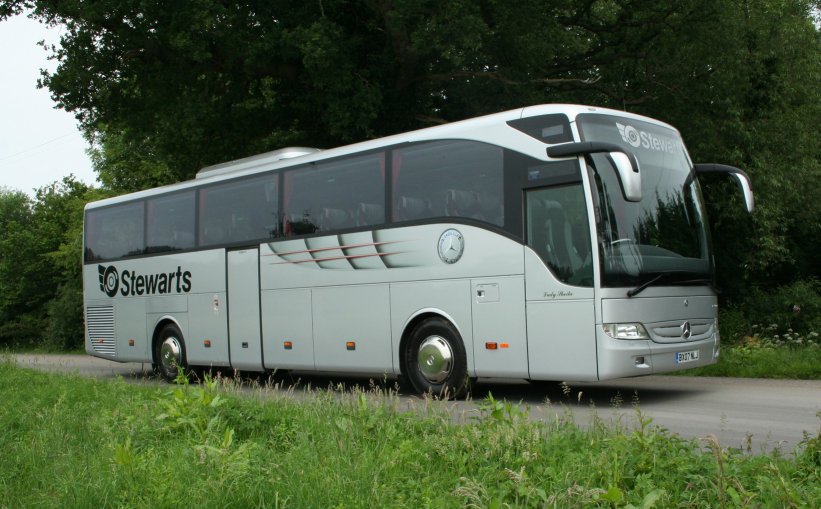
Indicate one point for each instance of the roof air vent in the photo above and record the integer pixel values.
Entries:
(255, 161)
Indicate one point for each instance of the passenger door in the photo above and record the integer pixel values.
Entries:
(559, 293)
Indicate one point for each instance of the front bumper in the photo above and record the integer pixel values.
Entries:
(625, 358)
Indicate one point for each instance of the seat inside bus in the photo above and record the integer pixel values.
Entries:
(552, 237)
(409, 208)
(369, 213)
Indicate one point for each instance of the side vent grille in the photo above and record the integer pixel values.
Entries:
(100, 322)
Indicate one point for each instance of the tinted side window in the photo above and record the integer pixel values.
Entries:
(239, 211)
(115, 232)
(171, 222)
(449, 178)
(335, 196)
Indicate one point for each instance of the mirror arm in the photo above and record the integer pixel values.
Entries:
(624, 162)
(582, 147)
(589, 147)
(741, 177)
(718, 168)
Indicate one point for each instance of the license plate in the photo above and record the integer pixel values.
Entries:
(685, 357)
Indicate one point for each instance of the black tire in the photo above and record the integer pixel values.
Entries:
(169, 354)
(435, 361)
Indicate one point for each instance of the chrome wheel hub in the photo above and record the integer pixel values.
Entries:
(170, 354)
(435, 359)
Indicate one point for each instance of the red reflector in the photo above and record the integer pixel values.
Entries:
(491, 345)
(288, 345)
(207, 343)
(350, 345)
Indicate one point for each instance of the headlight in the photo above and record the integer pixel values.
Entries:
(625, 330)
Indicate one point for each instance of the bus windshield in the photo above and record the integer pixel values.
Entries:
(663, 238)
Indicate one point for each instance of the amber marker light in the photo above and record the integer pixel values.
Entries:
(350, 345)
(491, 345)
(207, 343)
(288, 345)
(130, 342)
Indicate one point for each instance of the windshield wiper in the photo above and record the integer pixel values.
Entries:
(637, 290)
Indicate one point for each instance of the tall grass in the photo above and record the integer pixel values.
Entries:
(766, 353)
(73, 442)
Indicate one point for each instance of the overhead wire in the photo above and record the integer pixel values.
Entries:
(4, 158)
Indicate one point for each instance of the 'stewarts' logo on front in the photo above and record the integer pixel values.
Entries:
(648, 140)
(629, 134)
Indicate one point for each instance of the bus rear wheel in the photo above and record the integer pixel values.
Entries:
(170, 353)
(435, 359)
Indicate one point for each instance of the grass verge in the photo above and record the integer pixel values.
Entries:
(803, 363)
(73, 442)
(767, 352)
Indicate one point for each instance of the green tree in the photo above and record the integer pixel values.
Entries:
(22, 269)
(163, 89)
(191, 84)
(40, 283)
(125, 163)
(756, 107)
(58, 211)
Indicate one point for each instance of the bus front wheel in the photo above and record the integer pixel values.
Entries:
(435, 359)
(170, 353)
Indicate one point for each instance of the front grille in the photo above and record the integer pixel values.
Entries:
(100, 323)
(673, 331)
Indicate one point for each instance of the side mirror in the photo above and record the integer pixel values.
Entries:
(742, 179)
(625, 163)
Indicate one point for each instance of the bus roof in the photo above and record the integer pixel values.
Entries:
(476, 129)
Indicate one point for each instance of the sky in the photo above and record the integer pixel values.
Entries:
(38, 143)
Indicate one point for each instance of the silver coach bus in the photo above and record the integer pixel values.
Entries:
(553, 242)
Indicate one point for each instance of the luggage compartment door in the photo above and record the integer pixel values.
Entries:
(244, 335)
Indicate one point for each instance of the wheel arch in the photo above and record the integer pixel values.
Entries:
(419, 317)
(155, 336)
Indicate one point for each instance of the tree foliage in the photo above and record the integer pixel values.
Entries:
(40, 283)
(197, 83)
(163, 89)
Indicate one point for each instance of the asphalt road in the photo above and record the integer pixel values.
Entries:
(751, 414)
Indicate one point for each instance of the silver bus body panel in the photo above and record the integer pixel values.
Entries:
(317, 300)
(663, 311)
(148, 290)
(385, 256)
(288, 332)
(352, 314)
(620, 358)
(498, 306)
(447, 298)
(243, 310)
(208, 321)
(560, 322)
(354, 282)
